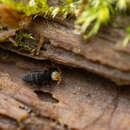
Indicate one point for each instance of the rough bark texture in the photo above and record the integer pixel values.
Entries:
(102, 54)
(79, 102)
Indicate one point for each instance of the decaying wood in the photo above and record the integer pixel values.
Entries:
(11, 108)
(98, 49)
(10, 88)
(62, 56)
(82, 102)
(4, 35)
(102, 54)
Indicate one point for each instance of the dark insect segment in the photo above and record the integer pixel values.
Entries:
(38, 78)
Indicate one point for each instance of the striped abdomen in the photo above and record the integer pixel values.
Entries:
(36, 77)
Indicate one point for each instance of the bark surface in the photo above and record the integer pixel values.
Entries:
(102, 54)
(79, 102)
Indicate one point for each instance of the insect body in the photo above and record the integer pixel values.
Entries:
(36, 77)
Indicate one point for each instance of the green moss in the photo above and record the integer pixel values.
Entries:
(100, 12)
(96, 12)
(127, 38)
(28, 7)
(34, 7)
(23, 39)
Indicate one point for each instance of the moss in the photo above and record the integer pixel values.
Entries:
(34, 7)
(23, 39)
(96, 12)
(5, 56)
(127, 38)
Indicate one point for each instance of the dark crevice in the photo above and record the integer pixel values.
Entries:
(26, 108)
(65, 126)
(7, 120)
(46, 42)
(58, 125)
(116, 102)
(45, 96)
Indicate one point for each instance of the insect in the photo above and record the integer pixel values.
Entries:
(38, 78)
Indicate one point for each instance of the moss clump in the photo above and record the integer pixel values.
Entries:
(97, 12)
(34, 7)
(23, 39)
